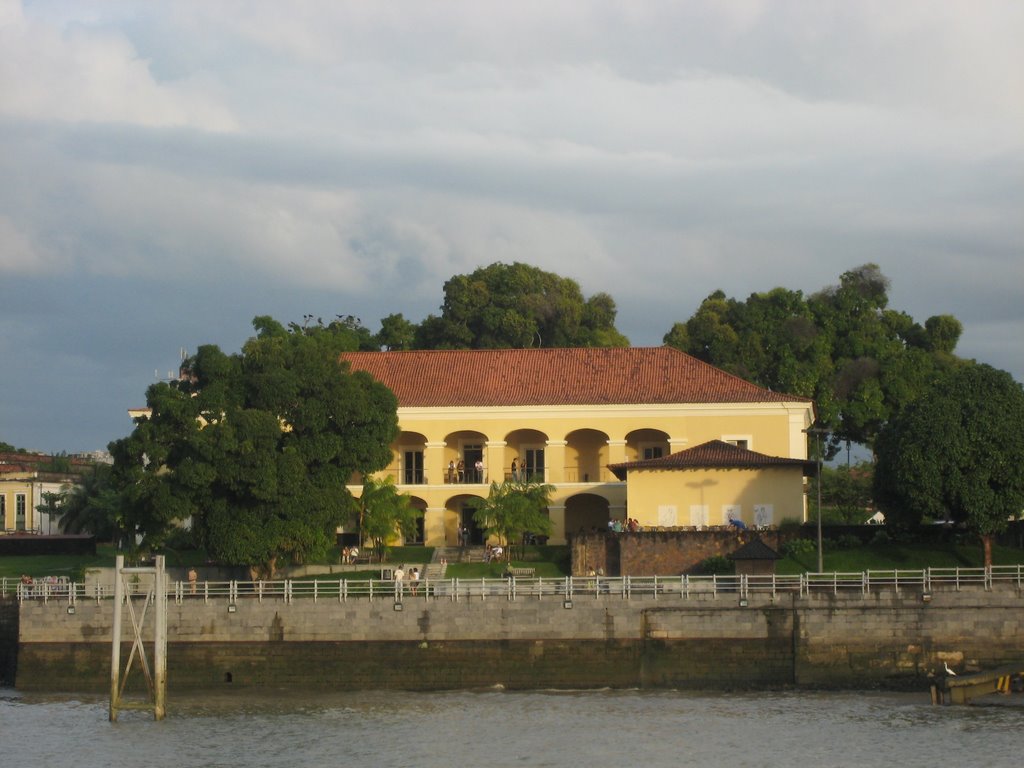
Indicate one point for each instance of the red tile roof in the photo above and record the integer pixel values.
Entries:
(714, 454)
(576, 376)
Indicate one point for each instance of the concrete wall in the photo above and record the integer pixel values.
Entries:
(704, 641)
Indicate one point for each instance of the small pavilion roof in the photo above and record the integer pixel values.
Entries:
(755, 549)
(714, 454)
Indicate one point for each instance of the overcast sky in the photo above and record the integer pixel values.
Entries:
(170, 170)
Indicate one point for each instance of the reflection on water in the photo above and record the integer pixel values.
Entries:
(499, 728)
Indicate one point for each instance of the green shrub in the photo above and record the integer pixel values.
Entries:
(796, 547)
(881, 538)
(847, 541)
(716, 565)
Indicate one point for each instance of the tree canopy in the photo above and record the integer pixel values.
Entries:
(93, 505)
(518, 305)
(383, 513)
(514, 508)
(256, 448)
(860, 361)
(955, 454)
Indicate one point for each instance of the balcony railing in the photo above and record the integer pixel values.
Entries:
(571, 475)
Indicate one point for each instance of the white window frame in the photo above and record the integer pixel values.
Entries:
(736, 439)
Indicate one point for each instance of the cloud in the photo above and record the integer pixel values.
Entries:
(85, 73)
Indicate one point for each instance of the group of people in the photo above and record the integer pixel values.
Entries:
(621, 526)
(493, 554)
(349, 555)
(457, 472)
(414, 579)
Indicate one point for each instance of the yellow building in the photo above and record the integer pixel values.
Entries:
(17, 502)
(565, 416)
(713, 484)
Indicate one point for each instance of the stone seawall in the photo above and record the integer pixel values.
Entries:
(853, 641)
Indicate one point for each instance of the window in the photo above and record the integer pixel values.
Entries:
(740, 441)
(19, 512)
(699, 515)
(412, 467)
(653, 452)
(533, 465)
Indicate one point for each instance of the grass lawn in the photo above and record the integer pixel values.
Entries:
(72, 566)
(497, 570)
(553, 561)
(908, 556)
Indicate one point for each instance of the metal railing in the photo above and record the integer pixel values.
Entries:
(625, 587)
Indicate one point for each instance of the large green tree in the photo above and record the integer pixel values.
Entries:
(518, 305)
(860, 361)
(513, 509)
(256, 448)
(955, 454)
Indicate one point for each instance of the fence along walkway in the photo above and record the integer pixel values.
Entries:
(567, 588)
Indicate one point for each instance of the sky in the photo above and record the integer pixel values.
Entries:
(172, 169)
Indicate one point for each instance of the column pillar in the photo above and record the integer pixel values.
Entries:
(494, 462)
(435, 533)
(616, 451)
(433, 465)
(556, 513)
(676, 444)
(554, 461)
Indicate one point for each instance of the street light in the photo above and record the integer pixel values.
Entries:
(818, 432)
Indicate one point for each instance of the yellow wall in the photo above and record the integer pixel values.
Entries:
(10, 489)
(578, 443)
(659, 497)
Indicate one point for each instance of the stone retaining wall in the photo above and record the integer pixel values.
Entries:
(705, 641)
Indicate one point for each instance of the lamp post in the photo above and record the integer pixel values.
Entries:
(818, 432)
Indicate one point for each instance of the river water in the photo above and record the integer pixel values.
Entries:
(591, 729)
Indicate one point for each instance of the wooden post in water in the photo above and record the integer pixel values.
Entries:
(157, 680)
(115, 646)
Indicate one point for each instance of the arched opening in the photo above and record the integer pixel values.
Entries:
(464, 458)
(524, 452)
(586, 456)
(642, 444)
(586, 513)
(460, 525)
(407, 464)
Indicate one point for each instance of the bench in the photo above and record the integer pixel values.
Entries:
(522, 573)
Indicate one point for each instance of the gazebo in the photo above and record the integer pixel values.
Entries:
(755, 558)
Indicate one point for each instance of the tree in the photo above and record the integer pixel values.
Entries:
(396, 333)
(95, 506)
(513, 509)
(955, 454)
(860, 361)
(847, 490)
(383, 513)
(256, 448)
(518, 306)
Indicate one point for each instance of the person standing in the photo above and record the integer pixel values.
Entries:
(461, 469)
(399, 577)
(515, 471)
(479, 469)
